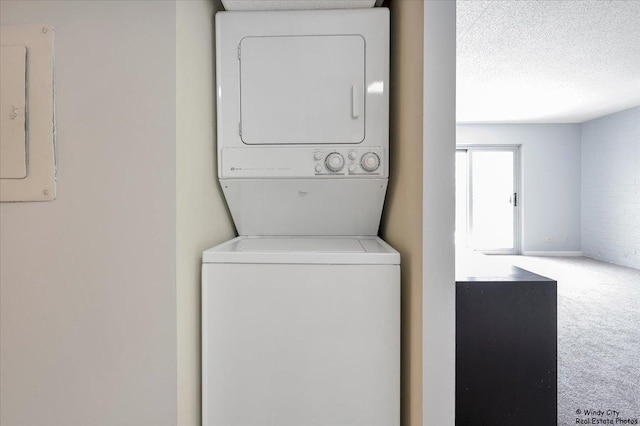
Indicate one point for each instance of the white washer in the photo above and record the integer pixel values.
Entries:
(301, 331)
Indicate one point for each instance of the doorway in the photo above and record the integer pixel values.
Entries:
(488, 199)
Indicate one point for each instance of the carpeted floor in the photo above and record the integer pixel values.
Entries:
(598, 335)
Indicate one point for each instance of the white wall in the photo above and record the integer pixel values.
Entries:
(611, 188)
(550, 168)
(438, 211)
(202, 218)
(87, 282)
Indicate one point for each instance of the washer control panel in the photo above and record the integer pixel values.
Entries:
(284, 162)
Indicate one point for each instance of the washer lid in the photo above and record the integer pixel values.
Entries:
(311, 250)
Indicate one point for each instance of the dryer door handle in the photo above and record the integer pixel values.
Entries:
(355, 102)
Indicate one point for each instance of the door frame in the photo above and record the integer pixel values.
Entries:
(517, 213)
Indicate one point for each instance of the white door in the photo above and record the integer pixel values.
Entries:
(302, 90)
(488, 199)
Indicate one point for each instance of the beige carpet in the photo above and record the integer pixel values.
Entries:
(598, 336)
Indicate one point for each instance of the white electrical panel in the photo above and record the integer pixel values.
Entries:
(27, 145)
(13, 146)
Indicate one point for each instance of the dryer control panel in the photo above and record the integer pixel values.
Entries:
(331, 162)
(352, 162)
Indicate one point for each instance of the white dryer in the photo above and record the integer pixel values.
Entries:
(303, 120)
(301, 331)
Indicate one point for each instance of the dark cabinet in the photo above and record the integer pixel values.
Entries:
(506, 349)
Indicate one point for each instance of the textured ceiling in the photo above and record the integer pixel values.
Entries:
(557, 61)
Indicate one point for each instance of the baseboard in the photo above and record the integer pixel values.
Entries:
(552, 253)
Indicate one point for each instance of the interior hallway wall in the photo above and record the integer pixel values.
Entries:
(551, 174)
(202, 218)
(611, 188)
(87, 282)
(402, 219)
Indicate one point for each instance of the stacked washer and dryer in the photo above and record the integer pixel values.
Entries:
(301, 312)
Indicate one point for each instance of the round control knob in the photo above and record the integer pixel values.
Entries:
(317, 156)
(334, 162)
(370, 161)
(352, 155)
(318, 168)
(353, 168)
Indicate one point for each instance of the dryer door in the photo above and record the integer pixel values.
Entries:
(302, 89)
